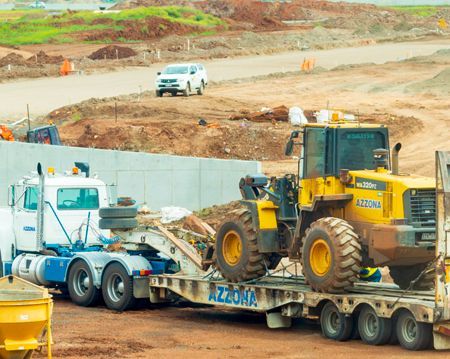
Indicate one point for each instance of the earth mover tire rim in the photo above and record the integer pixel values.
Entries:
(232, 248)
(320, 257)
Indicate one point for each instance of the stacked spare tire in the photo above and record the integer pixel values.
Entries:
(119, 218)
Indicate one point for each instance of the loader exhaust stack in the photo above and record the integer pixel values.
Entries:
(395, 151)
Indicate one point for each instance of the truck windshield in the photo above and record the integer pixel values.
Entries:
(77, 198)
(175, 70)
(355, 148)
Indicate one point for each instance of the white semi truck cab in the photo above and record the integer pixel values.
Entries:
(50, 236)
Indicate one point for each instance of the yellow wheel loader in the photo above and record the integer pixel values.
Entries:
(349, 207)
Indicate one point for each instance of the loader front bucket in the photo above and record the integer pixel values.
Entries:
(25, 315)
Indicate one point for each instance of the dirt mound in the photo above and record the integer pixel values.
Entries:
(112, 52)
(399, 126)
(140, 30)
(12, 59)
(42, 58)
(276, 114)
(438, 84)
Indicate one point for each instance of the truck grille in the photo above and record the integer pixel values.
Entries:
(422, 207)
(168, 81)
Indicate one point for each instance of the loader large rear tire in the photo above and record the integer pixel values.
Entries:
(330, 255)
(404, 275)
(236, 254)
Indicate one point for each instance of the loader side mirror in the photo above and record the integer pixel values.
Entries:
(289, 148)
(11, 196)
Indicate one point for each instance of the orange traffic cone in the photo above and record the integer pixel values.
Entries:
(65, 68)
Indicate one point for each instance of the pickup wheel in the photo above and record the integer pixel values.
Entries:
(158, 93)
(117, 288)
(81, 286)
(187, 90)
(201, 89)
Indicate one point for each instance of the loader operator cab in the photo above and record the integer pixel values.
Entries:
(327, 150)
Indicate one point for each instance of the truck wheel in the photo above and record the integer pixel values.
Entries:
(404, 275)
(158, 93)
(373, 329)
(117, 288)
(117, 212)
(187, 90)
(81, 286)
(334, 324)
(117, 223)
(201, 89)
(331, 255)
(411, 334)
(236, 253)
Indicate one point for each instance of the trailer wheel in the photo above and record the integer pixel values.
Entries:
(330, 255)
(334, 324)
(236, 254)
(118, 212)
(117, 223)
(373, 329)
(411, 334)
(117, 288)
(81, 286)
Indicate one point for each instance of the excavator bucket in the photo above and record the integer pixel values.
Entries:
(25, 318)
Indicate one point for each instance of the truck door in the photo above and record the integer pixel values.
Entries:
(25, 220)
(194, 77)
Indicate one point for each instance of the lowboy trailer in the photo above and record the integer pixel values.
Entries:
(377, 313)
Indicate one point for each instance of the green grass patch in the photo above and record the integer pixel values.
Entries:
(38, 27)
(419, 11)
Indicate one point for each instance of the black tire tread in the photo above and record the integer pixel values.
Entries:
(129, 301)
(117, 223)
(347, 254)
(118, 212)
(255, 267)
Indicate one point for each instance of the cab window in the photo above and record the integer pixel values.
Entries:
(77, 198)
(356, 148)
(31, 199)
(315, 147)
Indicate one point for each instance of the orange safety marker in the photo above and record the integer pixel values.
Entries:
(65, 68)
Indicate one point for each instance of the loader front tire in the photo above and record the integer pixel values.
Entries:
(236, 254)
(330, 255)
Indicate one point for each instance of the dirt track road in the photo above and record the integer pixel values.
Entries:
(44, 95)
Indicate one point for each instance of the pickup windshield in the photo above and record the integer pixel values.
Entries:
(175, 70)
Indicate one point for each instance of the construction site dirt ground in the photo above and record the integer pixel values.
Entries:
(183, 331)
(411, 97)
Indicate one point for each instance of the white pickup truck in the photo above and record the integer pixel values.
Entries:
(184, 78)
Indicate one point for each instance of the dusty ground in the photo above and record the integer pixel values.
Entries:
(410, 97)
(184, 331)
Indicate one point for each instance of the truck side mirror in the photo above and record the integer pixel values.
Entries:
(289, 148)
(11, 196)
(158, 73)
(193, 72)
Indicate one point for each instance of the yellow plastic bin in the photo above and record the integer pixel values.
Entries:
(25, 318)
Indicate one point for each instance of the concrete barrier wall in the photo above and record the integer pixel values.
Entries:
(157, 180)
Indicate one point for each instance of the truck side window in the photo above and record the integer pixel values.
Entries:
(77, 198)
(31, 199)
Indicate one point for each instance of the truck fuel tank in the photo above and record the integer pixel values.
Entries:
(30, 267)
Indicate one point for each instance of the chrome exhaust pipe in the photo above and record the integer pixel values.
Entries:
(395, 151)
